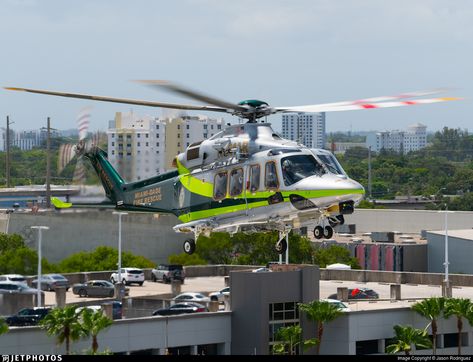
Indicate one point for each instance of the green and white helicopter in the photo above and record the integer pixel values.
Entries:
(245, 178)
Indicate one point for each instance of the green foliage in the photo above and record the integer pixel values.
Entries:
(64, 324)
(460, 308)
(407, 336)
(3, 326)
(335, 254)
(432, 309)
(93, 322)
(290, 338)
(186, 259)
(246, 249)
(320, 312)
(102, 258)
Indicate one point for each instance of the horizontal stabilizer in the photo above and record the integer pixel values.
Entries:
(59, 204)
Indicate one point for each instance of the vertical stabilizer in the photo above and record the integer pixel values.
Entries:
(111, 180)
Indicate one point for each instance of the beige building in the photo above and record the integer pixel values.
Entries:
(140, 147)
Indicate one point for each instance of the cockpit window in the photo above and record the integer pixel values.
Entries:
(331, 162)
(271, 176)
(296, 168)
(220, 185)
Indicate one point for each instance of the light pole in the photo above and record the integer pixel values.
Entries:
(447, 283)
(38, 285)
(120, 214)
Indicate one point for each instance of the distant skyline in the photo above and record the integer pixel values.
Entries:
(283, 52)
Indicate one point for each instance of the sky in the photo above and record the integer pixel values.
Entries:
(287, 53)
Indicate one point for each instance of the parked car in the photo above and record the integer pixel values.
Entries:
(261, 270)
(94, 288)
(168, 272)
(181, 308)
(13, 278)
(117, 311)
(220, 295)
(93, 308)
(339, 304)
(17, 287)
(51, 281)
(27, 316)
(129, 275)
(191, 297)
(358, 293)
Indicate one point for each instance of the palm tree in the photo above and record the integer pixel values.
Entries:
(3, 326)
(432, 309)
(64, 324)
(93, 322)
(406, 336)
(291, 336)
(320, 312)
(461, 308)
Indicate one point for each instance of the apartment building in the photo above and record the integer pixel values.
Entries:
(305, 128)
(413, 139)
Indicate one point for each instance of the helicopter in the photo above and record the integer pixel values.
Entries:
(246, 178)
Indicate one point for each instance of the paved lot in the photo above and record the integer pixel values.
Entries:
(409, 293)
(201, 284)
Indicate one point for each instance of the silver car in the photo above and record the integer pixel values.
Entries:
(51, 282)
(16, 287)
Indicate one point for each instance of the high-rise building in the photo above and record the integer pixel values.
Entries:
(305, 128)
(142, 147)
(26, 140)
(413, 139)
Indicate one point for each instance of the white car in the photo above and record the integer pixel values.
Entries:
(128, 276)
(338, 303)
(220, 295)
(190, 297)
(13, 278)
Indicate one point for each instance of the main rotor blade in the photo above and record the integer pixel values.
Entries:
(330, 107)
(191, 94)
(121, 100)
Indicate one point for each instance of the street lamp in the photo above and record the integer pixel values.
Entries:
(446, 281)
(38, 285)
(120, 214)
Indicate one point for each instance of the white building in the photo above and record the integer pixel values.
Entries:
(305, 128)
(140, 147)
(413, 139)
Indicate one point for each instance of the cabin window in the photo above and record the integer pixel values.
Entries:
(220, 185)
(236, 182)
(271, 176)
(254, 178)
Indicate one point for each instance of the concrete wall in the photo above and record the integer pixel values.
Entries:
(150, 235)
(251, 295)
(407, 221)
(131, 335)
(341, 335)
(460, 252)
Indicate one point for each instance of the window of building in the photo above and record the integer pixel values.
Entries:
(367, 347)
(187, 126)
(254, 178)
(113, 135)
(113, 152)
(220, 185)
(157, 135)
(157, 144)
(205, 135)
(219, 126)
(178, 126)
(128, 136)
(113, 144)
(187, 135)
(236, 182)
(271, 176)
(178, 135)
(178, 144)
(138, 144)
(157, 126)
(281, 315)
(211, 126)
(138, 135)
(451, 340)
(147, 144)
(205, 126)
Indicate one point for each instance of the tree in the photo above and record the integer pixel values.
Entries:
(406, 336)
(291, 337)
(432, 309)
(335, 254)
(3, 326)
(64, 324)
(320, 312)
(460, 308)
(93, 322)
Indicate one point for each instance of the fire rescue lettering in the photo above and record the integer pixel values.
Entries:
(147, 196)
